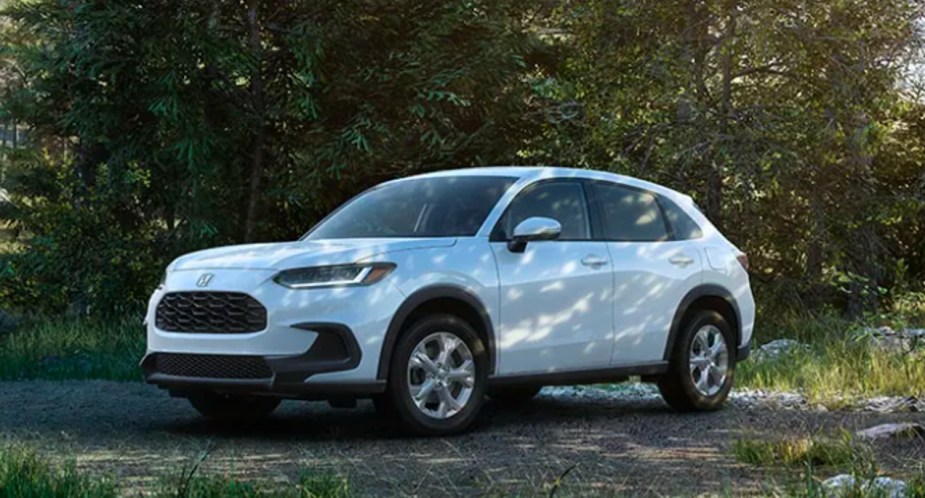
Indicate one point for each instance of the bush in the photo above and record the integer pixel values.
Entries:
(73, 349)
(93, 255)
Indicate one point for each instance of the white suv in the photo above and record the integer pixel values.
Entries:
(427, 293)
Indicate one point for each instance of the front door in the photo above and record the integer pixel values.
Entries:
(556, 311)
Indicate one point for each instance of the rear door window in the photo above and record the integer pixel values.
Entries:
(629, 215)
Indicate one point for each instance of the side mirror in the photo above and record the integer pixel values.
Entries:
(533, 229)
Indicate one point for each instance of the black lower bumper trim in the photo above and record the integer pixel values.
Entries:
(334, 350)
(309, 390)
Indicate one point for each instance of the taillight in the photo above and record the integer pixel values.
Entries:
(743, 260)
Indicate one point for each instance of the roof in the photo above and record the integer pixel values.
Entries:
(539, 172)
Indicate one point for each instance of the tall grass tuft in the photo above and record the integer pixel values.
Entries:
(809, 452)
(836, 366)
(23, 474)
(188, 483)
(72, 349)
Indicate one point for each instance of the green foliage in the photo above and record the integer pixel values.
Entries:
(782, 119)
(161, 127)
(189, 484)
(23, 474)
(156, 127)
(841, 452)
(836, 368)
(71, 349)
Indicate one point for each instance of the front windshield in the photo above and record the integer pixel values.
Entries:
(442, 206)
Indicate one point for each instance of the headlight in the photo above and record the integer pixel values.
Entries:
(334, 276)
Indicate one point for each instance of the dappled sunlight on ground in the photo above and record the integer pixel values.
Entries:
(611, 444)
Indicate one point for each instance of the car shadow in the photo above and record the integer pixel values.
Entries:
(317, 421)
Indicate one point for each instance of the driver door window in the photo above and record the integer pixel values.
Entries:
(561, 201)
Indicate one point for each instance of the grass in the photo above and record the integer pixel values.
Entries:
(835, 367)
(73, 350)
(817, 451)
(25, 474)
(831, 455)
(833, 371)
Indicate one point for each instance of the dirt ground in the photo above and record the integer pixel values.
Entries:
(136, 433)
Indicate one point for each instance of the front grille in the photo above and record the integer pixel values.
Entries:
(213, 366)
(210, 313)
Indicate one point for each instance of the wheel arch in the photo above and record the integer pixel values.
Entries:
(452, 299)
(705, 297)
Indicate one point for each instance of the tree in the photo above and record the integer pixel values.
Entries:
(773, 114)
(189, 124)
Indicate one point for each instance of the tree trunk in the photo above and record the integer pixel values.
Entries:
(715, 172)
(15, 134)
(257, 101)
(814, 249)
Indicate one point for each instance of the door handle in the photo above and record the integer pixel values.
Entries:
(681, 261)
(593, 261)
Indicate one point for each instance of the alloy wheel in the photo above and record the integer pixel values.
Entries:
(441, 375)
(709, 360)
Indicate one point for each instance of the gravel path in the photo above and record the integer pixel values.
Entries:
(613, 443)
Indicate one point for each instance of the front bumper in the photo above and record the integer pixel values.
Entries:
(335, 349)
(299, 324)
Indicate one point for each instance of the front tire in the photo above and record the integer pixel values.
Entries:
(438, 375)
(232, 409)
(702, 365)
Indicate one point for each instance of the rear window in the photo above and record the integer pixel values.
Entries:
(683, 226)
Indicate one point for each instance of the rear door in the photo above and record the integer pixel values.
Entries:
(652, 270)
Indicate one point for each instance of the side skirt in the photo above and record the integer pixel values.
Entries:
(615, 374)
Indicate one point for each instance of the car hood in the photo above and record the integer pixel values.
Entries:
(286, 255)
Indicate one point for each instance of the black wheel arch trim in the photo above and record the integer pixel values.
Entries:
(418, 298)
(705, 290)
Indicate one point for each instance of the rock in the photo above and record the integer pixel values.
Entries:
(840, 485)
(754, 398)
(889, 431)
(893, 404)
(844, 485)
(886, 487)
(779, 347)
(903, 340)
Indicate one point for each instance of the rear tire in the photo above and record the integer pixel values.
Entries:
(226, 408)
(513, 396)
(437, 376)
(702, 366)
